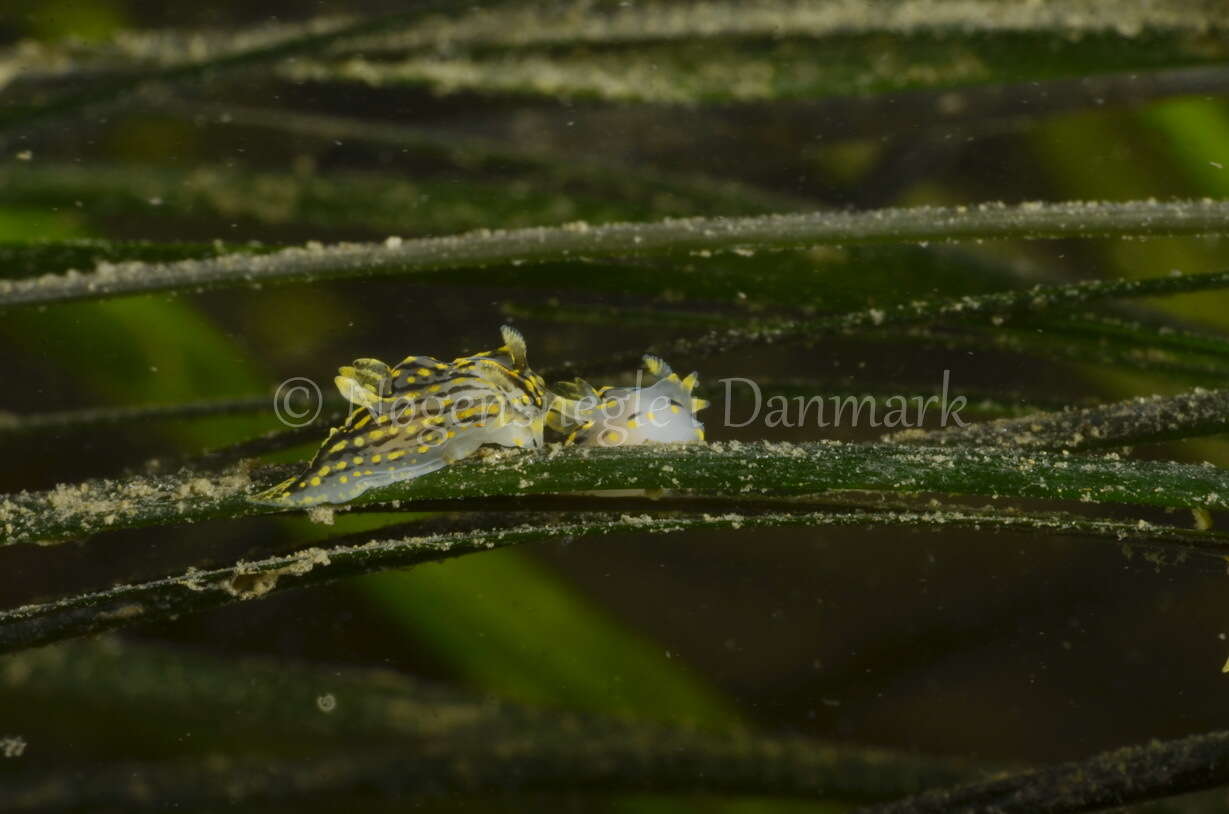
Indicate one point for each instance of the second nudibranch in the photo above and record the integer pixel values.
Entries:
(418, 417)
(662, 413)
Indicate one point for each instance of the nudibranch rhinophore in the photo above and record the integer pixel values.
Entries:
(662, 413)
(418, 417)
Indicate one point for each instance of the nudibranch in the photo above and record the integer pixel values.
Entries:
(662, 413)
(418, 417)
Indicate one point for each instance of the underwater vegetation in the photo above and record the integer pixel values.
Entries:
(936, 526)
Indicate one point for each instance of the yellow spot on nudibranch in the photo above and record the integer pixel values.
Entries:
(339, 446)
(344, 479)
(392, 456)
(357, 460)
(375, 435)
(424, 449)
(324, 470)
(375, 459)
(315, 481)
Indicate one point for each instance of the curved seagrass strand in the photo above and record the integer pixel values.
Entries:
(369, 202)
(1178, 367)
(528, 25)
(1133, 421)
(1187, 355)
(110, 90)
(1109, 780)
(1128, 333)
(30, 258)
(882, 46)
(197, 589)
(383, 709)
(558, 760)
(475, 154)
(1037, 299)
(734, 469)
(578, 242)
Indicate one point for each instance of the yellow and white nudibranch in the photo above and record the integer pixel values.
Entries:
(662, 413)
(418, 417)
(424, 414)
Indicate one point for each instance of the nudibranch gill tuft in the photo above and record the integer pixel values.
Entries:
(662, 413)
